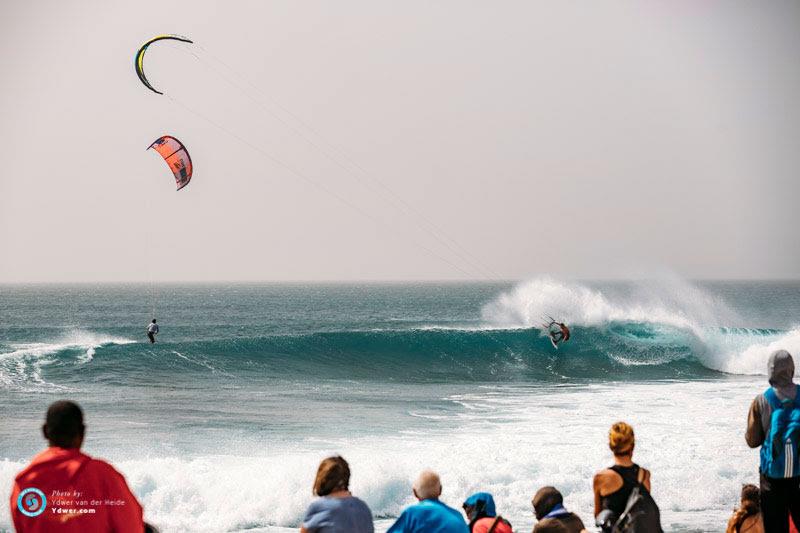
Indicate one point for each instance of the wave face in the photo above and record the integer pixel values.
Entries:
(669, 330)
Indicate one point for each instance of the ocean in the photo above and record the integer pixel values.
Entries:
(220, 426)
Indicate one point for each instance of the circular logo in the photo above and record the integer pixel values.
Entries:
(31, 502)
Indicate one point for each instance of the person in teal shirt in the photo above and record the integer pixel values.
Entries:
(429, 515)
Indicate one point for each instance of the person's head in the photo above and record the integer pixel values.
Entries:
(479, 505)
(751, 495)
(63, 426)
(621, 439)
(545, 500)
(750, 505)
(154, 321)
(780, 370)
(428, 486)
(333, 475)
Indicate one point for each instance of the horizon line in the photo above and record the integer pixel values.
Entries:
(379, 281)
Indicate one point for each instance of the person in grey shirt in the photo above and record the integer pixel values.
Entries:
(336, 510)
(779, 405)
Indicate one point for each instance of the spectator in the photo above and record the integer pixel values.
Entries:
(65, 490)
(774, 424)
(480, 511)
(747, 518)
(429, 515)
(614, 486)
(548, 506)
(336, 510)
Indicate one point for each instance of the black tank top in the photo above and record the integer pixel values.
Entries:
(616, 500)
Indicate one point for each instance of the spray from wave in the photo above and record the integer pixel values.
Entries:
(669, 312)
(672, 302)
(22, 364)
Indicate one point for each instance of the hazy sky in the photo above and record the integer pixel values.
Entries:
(582, 139)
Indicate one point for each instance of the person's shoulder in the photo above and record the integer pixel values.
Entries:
(550, 525)
(409, 511)
(482, 525)
(355, 504)
(100, 464)
(358, 502)
(573, 521)
(752, 524)
(455, 518)
(602, 476)
(452, 511)
(104, 470)
(317, 504)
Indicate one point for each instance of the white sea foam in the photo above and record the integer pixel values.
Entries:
(511, 441)
(747, 352)
(76, 339)
(671, 302)
(21, 364)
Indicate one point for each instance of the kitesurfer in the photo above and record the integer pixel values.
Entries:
(558, 335)
(152, 331)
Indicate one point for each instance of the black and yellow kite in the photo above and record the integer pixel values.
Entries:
(138, 62)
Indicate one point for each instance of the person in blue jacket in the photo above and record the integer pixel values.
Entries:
(429, 515)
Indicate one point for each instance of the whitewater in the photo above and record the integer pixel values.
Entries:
(221, 424)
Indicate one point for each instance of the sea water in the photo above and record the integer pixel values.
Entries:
(220, 425)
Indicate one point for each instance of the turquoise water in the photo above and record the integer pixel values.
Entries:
(250, 385)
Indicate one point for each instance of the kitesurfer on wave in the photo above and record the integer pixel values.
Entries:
(559, 334)
(562, 335)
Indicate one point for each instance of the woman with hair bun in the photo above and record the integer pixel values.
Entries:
(613, 485)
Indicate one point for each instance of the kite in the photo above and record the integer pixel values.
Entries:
(177, 158)
(138, 62)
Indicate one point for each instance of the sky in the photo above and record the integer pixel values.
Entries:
(415, 140)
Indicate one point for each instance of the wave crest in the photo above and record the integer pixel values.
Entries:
(672, 302)
(21, 364)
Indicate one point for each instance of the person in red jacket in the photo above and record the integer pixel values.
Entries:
(65, 490)
(483, 517)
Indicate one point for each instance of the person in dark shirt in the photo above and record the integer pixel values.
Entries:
(548, 506)
(613, 485)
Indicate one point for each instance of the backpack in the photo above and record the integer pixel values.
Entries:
(779, 452)
(641, 514)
